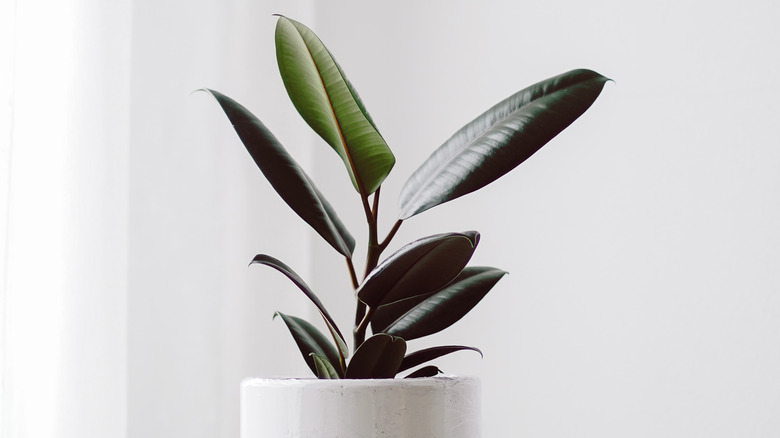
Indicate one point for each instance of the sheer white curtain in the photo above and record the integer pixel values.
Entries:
(65, 289)
(130, 212)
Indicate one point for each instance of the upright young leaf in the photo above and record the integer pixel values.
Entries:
(499, 140)
(309, 340)
(325, 369)
(329, 104)
(379, 357)
(338, 338)
(420, 267)
(447, 306)
(286, 176)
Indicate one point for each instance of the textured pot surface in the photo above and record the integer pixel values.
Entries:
(435, 407)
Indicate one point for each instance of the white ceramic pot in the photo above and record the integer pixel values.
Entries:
(434, 407)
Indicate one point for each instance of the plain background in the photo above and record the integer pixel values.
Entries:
(642, 244)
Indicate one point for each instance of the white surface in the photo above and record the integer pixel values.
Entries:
(438, 407)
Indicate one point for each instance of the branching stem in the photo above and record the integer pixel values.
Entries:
(360, 330)
(363, 314)
(390, 235)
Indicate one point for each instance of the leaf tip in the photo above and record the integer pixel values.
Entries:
(205, 90)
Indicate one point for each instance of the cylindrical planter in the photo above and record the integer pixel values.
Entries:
(434, 407)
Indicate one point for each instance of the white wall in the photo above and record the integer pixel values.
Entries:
(643, 243)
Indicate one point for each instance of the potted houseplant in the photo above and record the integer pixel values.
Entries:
(419, 290)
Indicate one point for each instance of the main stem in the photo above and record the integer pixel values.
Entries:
(372, 260)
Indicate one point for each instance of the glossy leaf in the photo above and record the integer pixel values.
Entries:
(420, 357)
(329, 104)
(324, 369)
(428, 371)
(447, 306)
(388, 313)
(499, 140)
(286, 176)
(379, 357)
(309, 340)
(418, 268)
(298, 281)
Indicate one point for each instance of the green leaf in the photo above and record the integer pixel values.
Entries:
(285, 176)
(379, 357)
(329, 104)
(499, 140)
(428, 371)
(418, 268)
(447, 306)
(298, 281)
(420, 357)
(324, 368)
(309, 340)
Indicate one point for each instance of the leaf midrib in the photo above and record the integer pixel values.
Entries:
(339, 130)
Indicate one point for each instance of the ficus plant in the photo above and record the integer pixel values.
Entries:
(426, 285)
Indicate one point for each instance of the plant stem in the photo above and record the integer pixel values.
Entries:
(360, 330)
(352, 273)
(390, 235)
(362, 313)
(360, 308)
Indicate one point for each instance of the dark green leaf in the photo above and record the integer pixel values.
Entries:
(447, 306)
(285, 176)
(295, 278)
(309, 340)
(377, 358)
(329, 104)
(420, 357)
(388, 313)
(418, 268)
(499, 140)
(428, 371)
(324, 368)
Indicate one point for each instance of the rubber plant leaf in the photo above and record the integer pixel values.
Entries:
(267, 260)
(286, 176)
(420, 357)
(447, 306)
(428, 371)
(499, 140)
(309, 340)
(420, 267)
(329, 104)
(379, 357)
(325, 369)
(388, 313)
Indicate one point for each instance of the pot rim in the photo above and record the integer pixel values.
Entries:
(442, 380)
